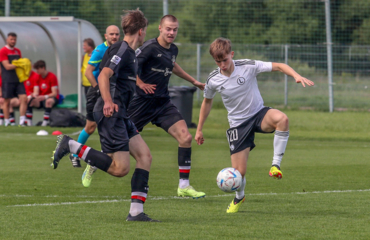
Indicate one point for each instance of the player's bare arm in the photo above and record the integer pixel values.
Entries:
(184, 75)
(109, 106)
(282, 67)
(147, 88)
(8, 66)
(205, 109)
(90, 76)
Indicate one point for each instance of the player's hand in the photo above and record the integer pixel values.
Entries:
(40, 98)
(147, 88)
(199, 137)
(199, 85)
(304, 81)
(109, 108)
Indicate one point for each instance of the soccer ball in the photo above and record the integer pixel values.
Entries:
(229, 179)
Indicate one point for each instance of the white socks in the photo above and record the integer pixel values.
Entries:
(136, 208)
(239, 194)
(280, 142)
(74, 146)
(183, 183)
(21, 120)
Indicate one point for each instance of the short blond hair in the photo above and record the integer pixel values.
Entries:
(219, 48)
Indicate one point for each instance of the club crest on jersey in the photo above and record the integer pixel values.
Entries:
(28, 83)
(137, 52)
(240, 80)
(44, 86)
(173, 59)
(115, 59)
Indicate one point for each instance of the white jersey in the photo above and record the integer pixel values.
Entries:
(239, 92)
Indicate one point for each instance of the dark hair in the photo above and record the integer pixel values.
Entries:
(133, 21)
(219, 48)
(171, 18)
(12, 34)
(39, 64)
(90, 42)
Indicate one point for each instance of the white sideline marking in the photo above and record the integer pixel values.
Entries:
(167, 198)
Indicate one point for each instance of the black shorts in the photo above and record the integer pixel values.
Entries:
(91, 98)
(42, 103)
(12, 89)
(159, 111)
(242, 136)
(115, 134)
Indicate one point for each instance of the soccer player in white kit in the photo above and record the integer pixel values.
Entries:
(236, 81)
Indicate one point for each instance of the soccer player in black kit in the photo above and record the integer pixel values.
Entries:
(118, 135)
(157, 62)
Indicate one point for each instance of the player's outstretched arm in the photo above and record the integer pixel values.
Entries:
(147, 88)
(184, 75)
(103, 79)
(205, 109)
(282, 67)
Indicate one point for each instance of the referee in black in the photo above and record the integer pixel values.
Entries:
(157, 62)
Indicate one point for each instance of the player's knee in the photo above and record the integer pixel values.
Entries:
(145, 158)
(121, 172)
(186, 139)
(90, 128)
(284, 120)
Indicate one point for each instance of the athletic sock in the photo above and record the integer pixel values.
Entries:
(239, 194)
(11, 118)
(184, 161)
(46, 116)
(29, 115)
(280, 143)
(6, 122)
(1, 117)
(90, 155)
(139, 191)
(82, 138)
(21, 120)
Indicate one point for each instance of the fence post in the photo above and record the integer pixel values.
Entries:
(329, 52)
(198, 70)
(165, 7)
(7, 8)
(286, 77)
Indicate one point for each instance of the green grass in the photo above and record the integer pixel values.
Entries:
(323, 195)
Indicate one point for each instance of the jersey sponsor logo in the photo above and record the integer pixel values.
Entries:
(240, 80)
(131, 78)
(44, 86)
(137, 52)
(166, 72)
(159, 55)
(115, 59)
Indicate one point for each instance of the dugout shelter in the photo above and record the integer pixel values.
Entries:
(58, 41)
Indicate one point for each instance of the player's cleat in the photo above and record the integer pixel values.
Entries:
(75, 161)
(88, 175)
(142, 217)
(275, 173)
(189, 191)
(235, 205)
(61, 149)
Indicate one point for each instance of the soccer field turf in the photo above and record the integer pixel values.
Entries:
(324, 193)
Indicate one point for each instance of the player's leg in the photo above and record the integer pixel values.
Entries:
(278, 121)
(14, 102)
(239, 162)
(29, 111)
(21, 92)
(8, 92)
(90, 126)
(49, 103)
(180, 132)
(1, 111)
(139, 181)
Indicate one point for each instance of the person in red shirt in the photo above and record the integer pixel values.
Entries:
(11, 87)
(46, 93)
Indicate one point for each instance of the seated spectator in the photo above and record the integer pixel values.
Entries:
(29, 85)
(46, 92)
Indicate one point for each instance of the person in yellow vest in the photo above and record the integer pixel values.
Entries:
(88, 47)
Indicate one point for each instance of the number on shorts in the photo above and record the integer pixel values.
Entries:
(232, 135)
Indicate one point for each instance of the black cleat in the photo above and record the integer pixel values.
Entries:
(61, 149)
(75, 161)
(142, 217)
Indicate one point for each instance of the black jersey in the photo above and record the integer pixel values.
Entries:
(122, 60)
(155, 67)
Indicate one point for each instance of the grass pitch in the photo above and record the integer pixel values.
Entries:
(324, 193)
